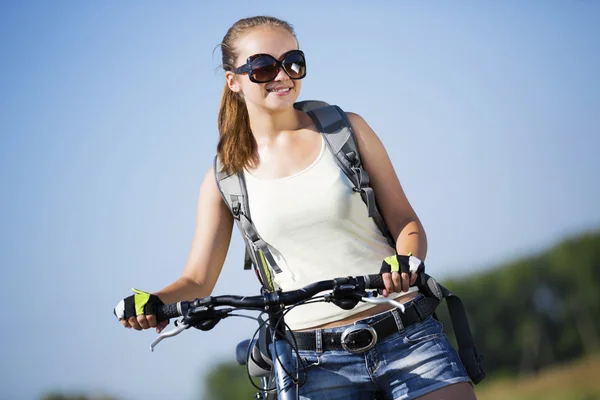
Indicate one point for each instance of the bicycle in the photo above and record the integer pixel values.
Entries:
(273, 362)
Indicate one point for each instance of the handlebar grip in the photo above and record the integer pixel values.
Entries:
(374, 282)
(167, 311)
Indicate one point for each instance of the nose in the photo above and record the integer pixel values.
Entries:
(281, 75)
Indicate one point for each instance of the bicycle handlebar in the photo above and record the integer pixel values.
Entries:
(175, 310)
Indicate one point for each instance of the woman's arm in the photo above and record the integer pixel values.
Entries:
(211, 240)
(396, 210)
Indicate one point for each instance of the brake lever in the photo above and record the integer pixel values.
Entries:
(179, 327)
(375, 300)
(420, 271)
(369, 297)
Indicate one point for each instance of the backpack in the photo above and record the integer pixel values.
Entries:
(335, 127)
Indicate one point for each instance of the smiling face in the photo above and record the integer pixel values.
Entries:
(278, 94)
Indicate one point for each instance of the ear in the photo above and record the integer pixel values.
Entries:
(232, 82)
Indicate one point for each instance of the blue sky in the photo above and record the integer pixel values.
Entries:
(491, 114)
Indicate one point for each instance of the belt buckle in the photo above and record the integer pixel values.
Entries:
(345, 339)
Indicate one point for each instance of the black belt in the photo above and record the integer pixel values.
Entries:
(359, 337)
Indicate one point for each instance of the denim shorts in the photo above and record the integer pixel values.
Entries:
(404, 365)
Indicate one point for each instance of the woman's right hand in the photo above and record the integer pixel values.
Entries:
(138, 311)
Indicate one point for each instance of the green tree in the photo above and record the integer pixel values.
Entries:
(76, 396)
(229, 381)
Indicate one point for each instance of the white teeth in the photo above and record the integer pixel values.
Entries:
(280, 90)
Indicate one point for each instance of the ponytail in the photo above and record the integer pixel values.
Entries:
(237, 147)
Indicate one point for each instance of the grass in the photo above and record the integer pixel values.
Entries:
(579, 380)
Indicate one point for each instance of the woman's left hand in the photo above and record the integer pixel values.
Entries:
(399, 273)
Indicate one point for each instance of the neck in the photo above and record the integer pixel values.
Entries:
(267, 125)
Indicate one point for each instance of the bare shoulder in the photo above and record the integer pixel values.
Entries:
(210, 200)
(371, 148)
(360, 126)
(209, 183)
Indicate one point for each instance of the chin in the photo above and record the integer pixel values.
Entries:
(276, 103)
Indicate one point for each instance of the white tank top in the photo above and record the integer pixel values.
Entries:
(317, 228)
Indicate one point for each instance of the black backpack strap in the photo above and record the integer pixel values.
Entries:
(470, 358)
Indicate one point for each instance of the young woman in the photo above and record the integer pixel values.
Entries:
(320, 233)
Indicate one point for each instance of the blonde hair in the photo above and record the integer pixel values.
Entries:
(237, 148)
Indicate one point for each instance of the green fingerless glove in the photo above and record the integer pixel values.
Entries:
(401, 263)
(141, 303)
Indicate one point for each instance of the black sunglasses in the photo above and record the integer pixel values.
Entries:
(263, 68)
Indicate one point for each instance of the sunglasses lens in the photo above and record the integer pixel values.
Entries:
(264, 69)
(295, 65)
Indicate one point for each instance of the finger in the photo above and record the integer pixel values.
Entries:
(125, 323)
(413, 277)
(161, 325)
(143, 321)
(151, 320)
(134, 323)
(405, 281)
(389, 285)
(397, 282)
